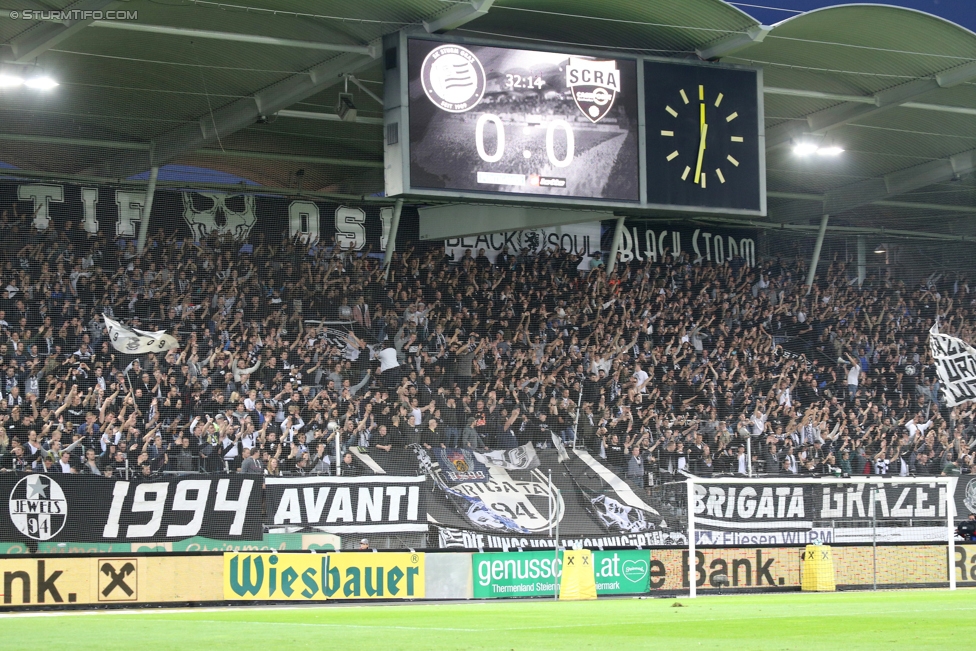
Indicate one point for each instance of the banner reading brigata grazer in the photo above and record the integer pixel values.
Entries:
(918, 508)
(77, 508)
(320, 577)
(374, 504)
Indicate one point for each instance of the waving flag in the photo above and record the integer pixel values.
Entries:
(137, 342)
(955, 363)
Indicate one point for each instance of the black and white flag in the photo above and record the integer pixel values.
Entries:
(955, 363)
(138, 342)
(520, 458)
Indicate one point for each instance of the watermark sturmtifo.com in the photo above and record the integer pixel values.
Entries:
(71, 14)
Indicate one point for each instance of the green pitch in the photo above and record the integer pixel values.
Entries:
(919, 619)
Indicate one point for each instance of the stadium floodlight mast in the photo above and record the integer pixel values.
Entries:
(870, 481)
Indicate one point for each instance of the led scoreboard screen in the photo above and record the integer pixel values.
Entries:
(490, 119)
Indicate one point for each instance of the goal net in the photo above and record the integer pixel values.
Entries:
(883, 532)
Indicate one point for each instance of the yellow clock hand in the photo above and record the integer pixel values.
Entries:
(701, 153)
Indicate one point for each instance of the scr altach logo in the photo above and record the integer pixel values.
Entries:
(453, 78)
(595, 85)
(38, 507)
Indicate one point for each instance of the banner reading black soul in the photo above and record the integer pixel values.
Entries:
(78, 508)
(375, 504)
(117, 212)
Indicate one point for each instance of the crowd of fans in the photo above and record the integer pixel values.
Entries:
(658, 367)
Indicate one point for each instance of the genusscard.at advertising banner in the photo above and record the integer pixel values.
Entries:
(372, 504)
(76, 508)
(534, 574)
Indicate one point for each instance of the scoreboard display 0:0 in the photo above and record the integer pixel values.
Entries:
(503, 120)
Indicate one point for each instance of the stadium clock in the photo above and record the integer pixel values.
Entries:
(703, 136)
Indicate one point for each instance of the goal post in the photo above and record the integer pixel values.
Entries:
(902, 522)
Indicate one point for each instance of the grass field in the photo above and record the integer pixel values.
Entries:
(917, 619)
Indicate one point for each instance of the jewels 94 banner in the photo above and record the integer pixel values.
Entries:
(74, 508)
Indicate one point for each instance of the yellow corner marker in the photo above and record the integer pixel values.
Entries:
(578, 580)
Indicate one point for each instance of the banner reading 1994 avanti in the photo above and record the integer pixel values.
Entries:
(320, 577)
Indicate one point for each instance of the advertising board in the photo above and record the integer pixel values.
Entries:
(320, 577)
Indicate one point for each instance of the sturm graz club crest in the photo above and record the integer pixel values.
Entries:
(453, 78)
(594, 84)
(38, 507)
(969, 497)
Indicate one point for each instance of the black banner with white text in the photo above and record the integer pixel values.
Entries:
(77, 508)
(376, 504)
(194, 215)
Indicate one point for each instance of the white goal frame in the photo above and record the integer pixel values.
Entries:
(947, 482)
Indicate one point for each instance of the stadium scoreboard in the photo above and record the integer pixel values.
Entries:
(479, 121)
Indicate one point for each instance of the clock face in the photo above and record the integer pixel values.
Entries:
(702, 137)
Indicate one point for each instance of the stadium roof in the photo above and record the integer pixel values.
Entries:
(246, 88)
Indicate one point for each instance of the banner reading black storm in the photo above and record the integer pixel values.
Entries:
(76, 508)
(117, 212)
(651, 242)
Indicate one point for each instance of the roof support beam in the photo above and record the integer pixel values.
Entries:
(734, 43)
(819, 123)
(891, 185)
(328, 117)
(458, 15)
(45, 35)
(370, 50)
(232, 117)
(910, 205)
(865, 99)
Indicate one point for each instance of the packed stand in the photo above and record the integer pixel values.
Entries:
(658, 368)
